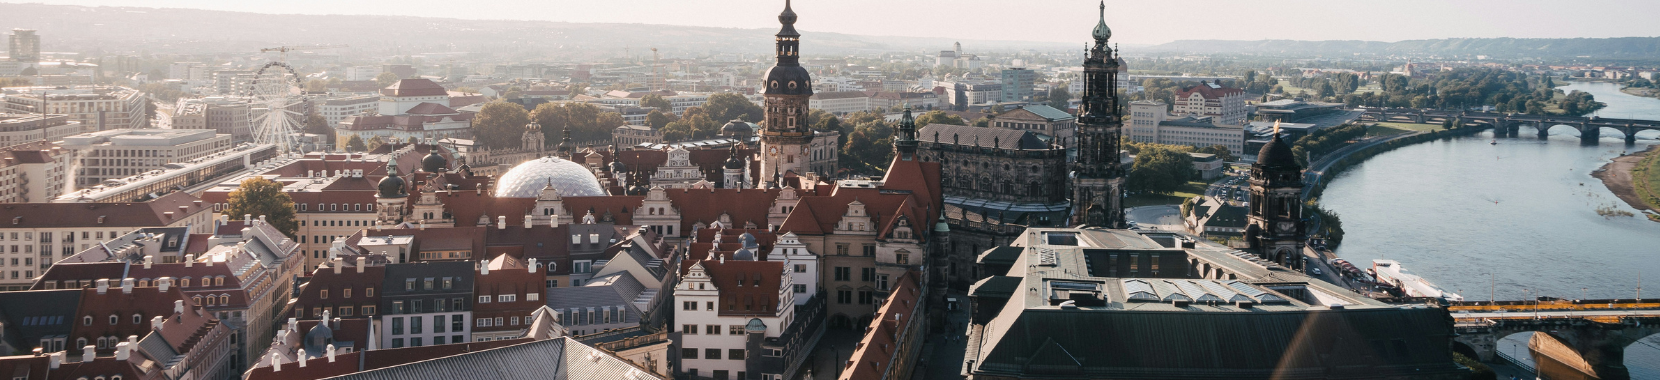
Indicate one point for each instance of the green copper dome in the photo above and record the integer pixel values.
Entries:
(1102, 32)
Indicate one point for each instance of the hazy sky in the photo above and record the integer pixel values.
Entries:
(1133, 22)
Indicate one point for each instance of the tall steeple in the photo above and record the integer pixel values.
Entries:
(1098, 187)
(786, 88)
(565, 145)
(1275, 227)
(904, 143)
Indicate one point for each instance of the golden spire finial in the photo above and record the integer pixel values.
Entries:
(1276, 127)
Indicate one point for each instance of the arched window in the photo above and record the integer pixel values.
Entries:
(224, 299)
(81, 342)
(219, 281)
(114, 319)
(85, 321)
(196, 299)
(137, 319)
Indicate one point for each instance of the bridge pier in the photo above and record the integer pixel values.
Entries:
(1630, 135)
(1588, 134)
(1543, 128)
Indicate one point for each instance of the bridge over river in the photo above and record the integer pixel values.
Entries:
(1509, 124)
(1587, 336)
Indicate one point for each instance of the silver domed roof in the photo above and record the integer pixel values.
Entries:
(568, 178)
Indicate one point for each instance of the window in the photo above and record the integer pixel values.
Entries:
(801, 268)
(533, 296)
(368, 310)
(709, 306)
(688, 353)
(438, 323)
(688, 305)
(415, 342)
(711, 329)
(114, 319)
(711, 353)
(346, 311)
(800, 288)
(841, 249)
(426, 284)
(456, 325)
(397, 327)
(415, 306)
(137, 319)
(323, 294)
(869, 250)
(688, 329)
(499, 321)
(866, 297)
(844, 296)
(346, 293)
(483, 299)
(415, 326)
(844, 273)
(735, 330)
(735, 354)
(882, 282)
(720, 374)
(867, 274)
(515, 321)
(438, 340)
(902, 257)
(409, 284)
(446, 283)
(397, 307)
(507, 298)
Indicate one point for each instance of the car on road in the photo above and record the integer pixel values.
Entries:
(1317, 272)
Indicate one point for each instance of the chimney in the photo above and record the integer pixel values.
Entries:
(722, 258)
(528, 221)
(178, 307)
(262, 220)
(127, 286)
(121, 350)
(147, 260)
(337, 263)
(301, 359)
(189, 260)
(247, 218)
(330, 351)
(293, 324)
(163, 283)
(531, 267)
(134, 340)
(184, 210)
(88, 353)
(276, 363)
(361, 262)
(484, 267)
(103, 285)
(56, 359)
(168, 215)
(157, 323)
(208, 262)
(501, 222)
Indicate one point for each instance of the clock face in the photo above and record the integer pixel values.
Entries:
(774, 151)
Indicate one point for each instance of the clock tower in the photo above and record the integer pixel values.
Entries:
(1275, 227)
(1098, 185)
(787, 88)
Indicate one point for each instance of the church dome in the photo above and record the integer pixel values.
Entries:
(568, 178)
(433, 162)
(392, 186)
(1102, 32)
(1277, 154)
(736, 127)
(788, 80)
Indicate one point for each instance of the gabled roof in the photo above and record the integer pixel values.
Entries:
(746, 287)
(428, 108)
(157, 212)
(27, 316)
(874, 355)
(1209, 91)
(1043, 111)
(414, 87)
(562, 358)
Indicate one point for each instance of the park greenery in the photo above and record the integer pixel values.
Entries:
(1645, 181)
(262, 197)
(697, 123)
(586, 122)
(499, 124)
(355, 144)
(1159, 170)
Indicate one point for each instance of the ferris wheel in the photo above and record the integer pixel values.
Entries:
(278, 100)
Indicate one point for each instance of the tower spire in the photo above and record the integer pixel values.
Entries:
(905, 143)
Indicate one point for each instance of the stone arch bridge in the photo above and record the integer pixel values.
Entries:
(1509, 124)
(1596, 331)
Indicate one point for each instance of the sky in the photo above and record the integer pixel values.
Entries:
(1133, 22)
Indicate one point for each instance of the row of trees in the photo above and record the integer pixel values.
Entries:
(1323, 141)
(1164, 168)
(1506, 91)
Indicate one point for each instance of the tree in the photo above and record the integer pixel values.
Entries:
(386, 79)
(374, 143)
(1159, 171)
(657, 119)
(729, 106)
(869, 148)
(577, 88)
(500, 124)
(263, 197)
(939, 117)
(1220, 151)
(1059, 98)
(587, 122)
(355, 144)
(316, 124)
(656, 101)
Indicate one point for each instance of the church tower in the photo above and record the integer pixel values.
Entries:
(532, 140)
(1275, 228)
(1097, 190)
(733, 170)
(904, 143)
(788, 85)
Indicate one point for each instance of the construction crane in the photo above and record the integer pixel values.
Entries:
(657, 75)
(282, 51)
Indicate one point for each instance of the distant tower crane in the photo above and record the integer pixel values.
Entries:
(658, 79)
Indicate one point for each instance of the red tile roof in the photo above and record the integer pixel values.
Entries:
(157, 212)
(706, 206)
(1209, 92)
(183, 331)
(323, 278)
(886, 332)
(428, 108)
(746, 287)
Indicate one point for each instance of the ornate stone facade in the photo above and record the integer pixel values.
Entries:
(785, 138)
(1276, 217)
(1098, 189)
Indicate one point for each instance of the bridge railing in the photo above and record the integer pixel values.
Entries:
(1555, 305)
(1523, 365)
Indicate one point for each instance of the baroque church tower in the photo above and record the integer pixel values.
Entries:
(788, 85)
(1098, 188)
(1275, 228)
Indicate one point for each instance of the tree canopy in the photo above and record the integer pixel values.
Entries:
(500, 124)
(355, 144)
(656, 101)
(939, 117)
(386, 79)
(587, 122)
(1159, 170)
(726, 106)
(263, 197)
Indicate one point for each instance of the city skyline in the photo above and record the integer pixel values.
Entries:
(1259, 20)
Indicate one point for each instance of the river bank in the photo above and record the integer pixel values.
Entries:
(1618, 175)
(1643, 92)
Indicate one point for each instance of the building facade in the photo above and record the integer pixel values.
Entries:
(97, 108)
(1276, 226)
(1000, 181)
(784, 140)
(1224, 104)
(1017, 84)
(120, 153)
(426, 303)
(1149, 123)
(1098, 188)
(1060, 126)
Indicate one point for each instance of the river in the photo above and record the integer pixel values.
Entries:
(1507, 221)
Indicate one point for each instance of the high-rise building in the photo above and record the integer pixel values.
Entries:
(1097, 191)
(1017, 84)
(788, 87)
(1276, 216)
(97, 108)
(24, 46)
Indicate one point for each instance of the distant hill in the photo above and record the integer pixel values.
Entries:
(192, 31)
(1610, 48)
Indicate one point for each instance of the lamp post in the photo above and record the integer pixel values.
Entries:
(836, 360)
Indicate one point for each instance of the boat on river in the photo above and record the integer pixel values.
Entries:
(1411, 285)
